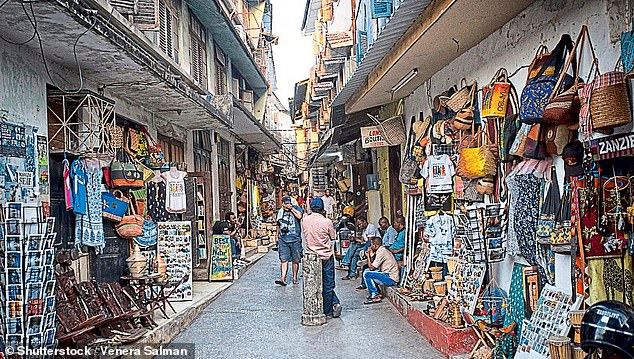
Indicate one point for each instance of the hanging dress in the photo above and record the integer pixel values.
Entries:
(89, 226)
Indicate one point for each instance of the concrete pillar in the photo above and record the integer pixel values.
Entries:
(312, 291)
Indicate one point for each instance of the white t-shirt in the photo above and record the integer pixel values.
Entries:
(176, 201)
(329, 204)
(438, 172)
(439, 233)
(371, 231)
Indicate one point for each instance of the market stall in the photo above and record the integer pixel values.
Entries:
(532, 180)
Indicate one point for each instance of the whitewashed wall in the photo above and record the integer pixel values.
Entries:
(514, 45)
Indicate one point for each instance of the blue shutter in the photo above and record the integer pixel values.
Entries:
(362, 45)
(381, 8)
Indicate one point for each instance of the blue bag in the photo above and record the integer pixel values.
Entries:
(115, 205)
(149, 236)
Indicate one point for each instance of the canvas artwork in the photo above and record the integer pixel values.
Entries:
(174, 246)
(221, 267)
(466, 284)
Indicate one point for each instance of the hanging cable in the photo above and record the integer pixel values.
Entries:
(18, 43)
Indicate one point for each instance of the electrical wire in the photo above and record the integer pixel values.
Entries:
(13, 42)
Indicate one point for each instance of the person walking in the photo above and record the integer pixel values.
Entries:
(318, 234)
(289, 244)
(329, 204)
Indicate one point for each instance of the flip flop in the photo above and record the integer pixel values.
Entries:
(349, 277)
(280, 282)
(373, 300)
(296, 282)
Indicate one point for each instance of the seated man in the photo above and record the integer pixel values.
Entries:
(389, 233)
(352, 255)
(382, 270)
(398, 247)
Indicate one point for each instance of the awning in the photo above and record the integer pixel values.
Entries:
(252, 132)
(299, 98)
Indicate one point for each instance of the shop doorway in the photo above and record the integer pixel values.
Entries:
(396, 190)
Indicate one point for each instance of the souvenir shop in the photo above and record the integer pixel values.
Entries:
(521, 200)
(102, 227)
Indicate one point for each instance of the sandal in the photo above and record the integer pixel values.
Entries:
(342, 267)
(295, 281)
(349, 277)
(280, 282)
(373, 300)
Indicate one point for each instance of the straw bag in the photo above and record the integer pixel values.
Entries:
(464, 118)
(476, 162)
(495, 95)
(609, 104)
(486, 185)
(131, 225)
(393, 128)
(409, 166)
(460, 99)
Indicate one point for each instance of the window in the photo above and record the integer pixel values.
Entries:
(198, 52)
(168, 29)
(202, 151)
(172, 149)
(220, 72)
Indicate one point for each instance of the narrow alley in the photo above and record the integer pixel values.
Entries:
(267, 325)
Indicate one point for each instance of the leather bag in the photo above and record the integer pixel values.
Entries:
(557, 137)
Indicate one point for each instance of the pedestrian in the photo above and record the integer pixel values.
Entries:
(319, 233)
(329, 204)
(289, 244)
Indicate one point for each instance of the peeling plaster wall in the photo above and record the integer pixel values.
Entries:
(514, 45)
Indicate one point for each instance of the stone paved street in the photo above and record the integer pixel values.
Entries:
(254, 318)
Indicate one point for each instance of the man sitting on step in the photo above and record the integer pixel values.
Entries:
(382, 270)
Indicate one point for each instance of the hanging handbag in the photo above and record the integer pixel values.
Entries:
(149, 236)
(393, 128)
(460, 99)
(115, 205)
(155, 158)
(495, 95)
(471, 193)
(627, 50)
(476, 162)
(519, 144)
(548, 208)
(557, 137)
(510, 128)
(485, 185)
(464, 118)
(124, 172)
(409, 166)
(609, 103)
(130, 225)
(561, 233)
(543, 74)
(535, 146)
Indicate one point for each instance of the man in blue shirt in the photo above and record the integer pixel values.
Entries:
(289, 244)
(389, 233)
(398, 247)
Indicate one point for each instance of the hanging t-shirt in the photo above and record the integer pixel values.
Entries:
(79, 192)
(176, 201)
(438, 172)
(439, 233)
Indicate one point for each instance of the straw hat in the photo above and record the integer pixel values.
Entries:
(420, 127)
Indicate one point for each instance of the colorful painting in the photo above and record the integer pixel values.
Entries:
(221, 267)
(175, 247)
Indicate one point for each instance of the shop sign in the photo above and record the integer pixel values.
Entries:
(339, 39)
(613, 146)
(372, 137)
(12, 140)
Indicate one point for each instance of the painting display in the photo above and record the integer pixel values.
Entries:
(221, 267)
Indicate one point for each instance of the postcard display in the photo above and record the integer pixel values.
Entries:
(28, 315)
(175, 247)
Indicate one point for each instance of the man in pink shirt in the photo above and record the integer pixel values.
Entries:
(318, 234)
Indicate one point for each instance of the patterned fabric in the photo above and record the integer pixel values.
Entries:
(156, 195)
(89, 226)
(535, 98)
(611, 279)
(524, 192)
(585, 123)
(514, 313)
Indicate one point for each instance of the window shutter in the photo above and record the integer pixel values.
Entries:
(164, 34)
(381, 8)
(175, 43)
(203, 66)
(193, 51)
(125, 7)
(146, 14)
(362, 45)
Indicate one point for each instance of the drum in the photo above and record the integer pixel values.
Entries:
(559, 347)
(452, 262)
(578, 353)
(428, 285)
(441, 288)
(448, 280)
(436, 273)
(575, 317)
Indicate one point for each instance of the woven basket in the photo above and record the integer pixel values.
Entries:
(609, 104)
(392, 130)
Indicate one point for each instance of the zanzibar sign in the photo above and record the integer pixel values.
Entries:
(613, 146)
(371, 137)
